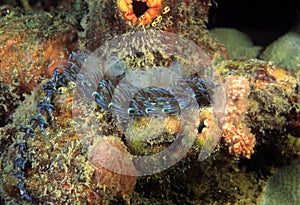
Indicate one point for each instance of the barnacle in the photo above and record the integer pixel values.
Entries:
(139, 12)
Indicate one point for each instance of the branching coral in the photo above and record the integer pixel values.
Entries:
(236, 134)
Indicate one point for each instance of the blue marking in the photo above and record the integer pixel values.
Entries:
(38, 121)
(19, 161)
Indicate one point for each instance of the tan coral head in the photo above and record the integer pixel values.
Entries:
(139, 12)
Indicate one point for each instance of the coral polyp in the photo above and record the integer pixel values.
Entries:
(139, 12)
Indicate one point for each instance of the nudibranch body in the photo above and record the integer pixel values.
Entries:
(139, 12)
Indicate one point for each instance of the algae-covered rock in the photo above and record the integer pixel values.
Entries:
(274, 95)
(63, 162)
(32, 45)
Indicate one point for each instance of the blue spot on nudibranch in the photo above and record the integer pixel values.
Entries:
(19, 161)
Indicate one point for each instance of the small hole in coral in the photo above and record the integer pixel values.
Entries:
(201, 126)
(139, 8)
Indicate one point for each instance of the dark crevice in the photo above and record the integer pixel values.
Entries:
(263, 21)
(139, 8)
(201, 127)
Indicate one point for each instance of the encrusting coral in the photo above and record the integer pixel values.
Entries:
(237, 43)
(111, 152)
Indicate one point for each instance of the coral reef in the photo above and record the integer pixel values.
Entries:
(283, 186)
(101, 153)
(237, 43)
(236, 135)
(70, 165)
(71, 142)
(29, 57)
(284, 51)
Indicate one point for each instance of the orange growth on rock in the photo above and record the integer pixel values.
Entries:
(107, 156)
(139, 12)
(26, 54)
(236, 135)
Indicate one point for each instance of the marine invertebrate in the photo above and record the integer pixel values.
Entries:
(152, 100)
(139, 12)
(273, 103)
(61, 77)
(20, 161)
(184, 18)
(38, 121)
(237, 43)
(111, 152)
(45, 107)
(104, 94)
(283, 187)
(284, 51)
(207, 132)
(236, 135)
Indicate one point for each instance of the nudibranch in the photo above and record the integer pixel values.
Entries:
(139, 12)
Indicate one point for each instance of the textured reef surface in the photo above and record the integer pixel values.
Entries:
(137, 102)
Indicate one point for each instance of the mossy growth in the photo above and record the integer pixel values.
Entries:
(294, 142)
(272, 95)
